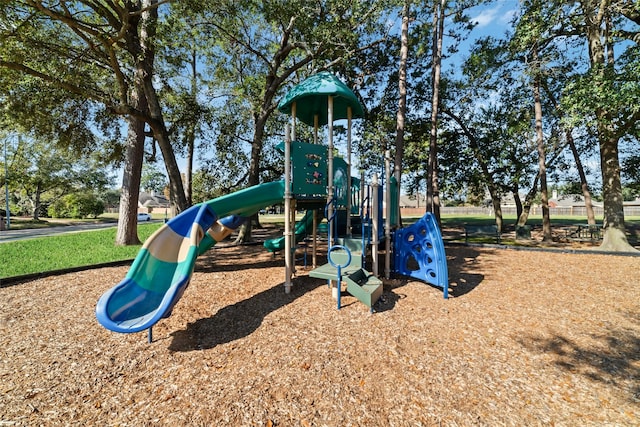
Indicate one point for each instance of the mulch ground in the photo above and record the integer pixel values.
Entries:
(526, 338)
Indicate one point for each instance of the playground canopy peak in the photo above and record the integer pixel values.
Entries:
(311, 98)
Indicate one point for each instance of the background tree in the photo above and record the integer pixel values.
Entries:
(433, 197)
(42, 173)
(424, 38)
(77, 205)
(603, 97)
(402, 93)
(103, 47)
(187, 87)
(152, 179)
(496, 136)
(531, 40)
(265, 44)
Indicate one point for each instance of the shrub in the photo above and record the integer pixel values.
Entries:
(77, 205)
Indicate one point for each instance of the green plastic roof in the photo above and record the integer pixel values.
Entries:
(311, 97)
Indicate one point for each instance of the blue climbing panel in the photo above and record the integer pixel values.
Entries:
(419, 253)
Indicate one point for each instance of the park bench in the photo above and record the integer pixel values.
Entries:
(481, 231)
(584, 232)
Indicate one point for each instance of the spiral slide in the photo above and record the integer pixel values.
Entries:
(162, 269)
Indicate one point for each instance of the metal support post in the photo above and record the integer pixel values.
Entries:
(387, 221)
(287, 210)
(330, 206)
(349, 115)
(375, 218)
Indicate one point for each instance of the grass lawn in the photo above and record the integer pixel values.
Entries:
(96, 247)
(66, 251)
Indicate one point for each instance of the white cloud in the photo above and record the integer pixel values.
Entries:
(496, 15)
(486, 17)
(507, 16)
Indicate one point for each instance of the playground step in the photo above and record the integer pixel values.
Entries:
(363, 285)
(329, 272)
(354, 245)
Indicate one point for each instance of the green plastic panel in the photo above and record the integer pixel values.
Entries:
(311, 98)
(309, 164)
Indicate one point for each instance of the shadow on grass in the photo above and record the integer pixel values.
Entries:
(612, 359)
(239, 320)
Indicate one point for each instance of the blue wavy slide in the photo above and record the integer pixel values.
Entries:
(162, 269)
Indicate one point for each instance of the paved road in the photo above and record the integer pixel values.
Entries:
(13, 235)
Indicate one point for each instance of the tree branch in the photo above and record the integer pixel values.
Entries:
(246, 46)
(148, 8)
(50, 79)
(630, 11)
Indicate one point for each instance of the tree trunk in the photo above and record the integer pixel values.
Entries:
(260, 121)
(615, 238)
(588, 203)
(244, 232)
(145, 65)
(402, 101)
(518, 202)
(36, 202)
(496, 201)
(162, 137)
(528, 201)
(127, 233)
(542, 165)
(433, 196)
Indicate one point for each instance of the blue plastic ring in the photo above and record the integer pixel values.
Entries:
(333, 264)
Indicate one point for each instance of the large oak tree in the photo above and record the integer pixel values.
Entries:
(104, 53)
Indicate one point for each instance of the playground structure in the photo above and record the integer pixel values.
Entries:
(315, 180)
(419, 251)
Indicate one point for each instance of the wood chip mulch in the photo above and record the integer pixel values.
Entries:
(527, 338)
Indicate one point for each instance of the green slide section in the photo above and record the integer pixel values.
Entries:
(395, 201)
(243, 203)
(303, 227)
(248, 201)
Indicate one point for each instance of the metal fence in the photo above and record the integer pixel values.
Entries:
(629, 211)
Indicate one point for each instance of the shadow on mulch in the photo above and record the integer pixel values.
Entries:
(390, 297)
(463, 277)
(613, 360)
(239, 320)
(233, 263)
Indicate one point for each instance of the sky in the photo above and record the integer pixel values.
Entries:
(495, 15)
(491, 20)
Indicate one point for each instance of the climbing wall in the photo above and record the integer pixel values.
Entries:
(309, 163)
(419, 253)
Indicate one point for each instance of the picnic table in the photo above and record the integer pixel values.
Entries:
(585, 232)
